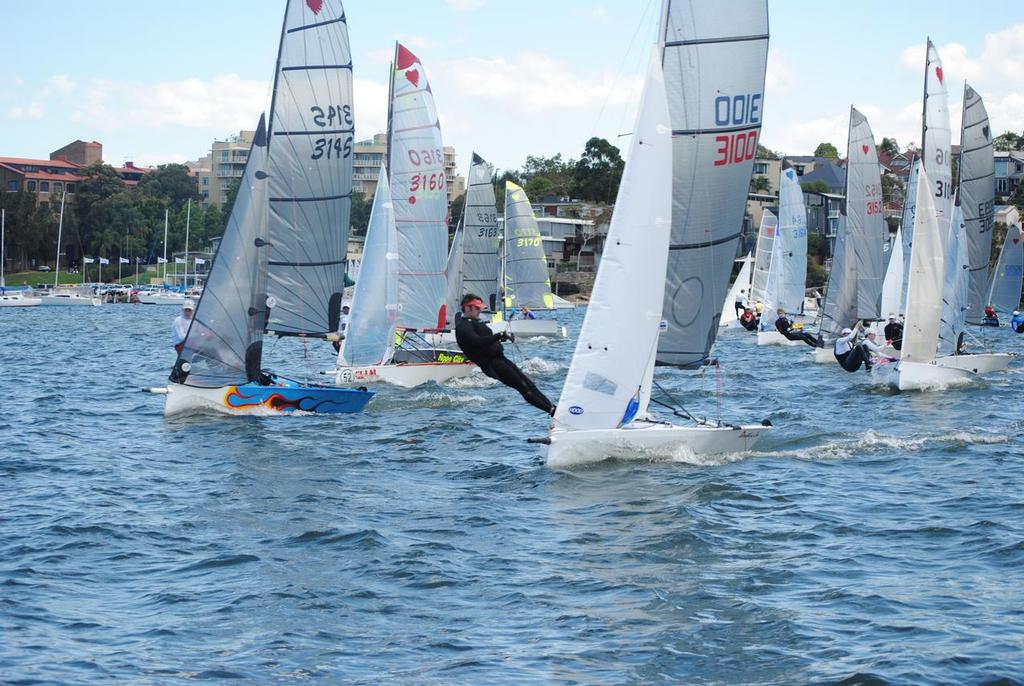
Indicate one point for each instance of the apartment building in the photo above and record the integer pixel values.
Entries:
(368, 155)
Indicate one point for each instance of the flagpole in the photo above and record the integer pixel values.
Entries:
(100, 277)
(165, 247)
(3, 234)
(188, 218)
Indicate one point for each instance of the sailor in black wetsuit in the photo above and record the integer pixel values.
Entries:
(893, 332)
(483, 347)
(785, 327)
(748, 320)
(849, 354)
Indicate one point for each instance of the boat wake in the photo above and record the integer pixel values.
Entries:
(872, 441)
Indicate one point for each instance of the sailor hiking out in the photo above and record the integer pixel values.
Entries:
(793, 333)
(483, 347)
(851, 355)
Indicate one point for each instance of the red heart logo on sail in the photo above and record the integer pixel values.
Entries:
(1016, 240)
(864, 148)
(414, 76)
(315, 5)
(938, 72)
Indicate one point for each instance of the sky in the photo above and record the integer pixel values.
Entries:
(157, 82)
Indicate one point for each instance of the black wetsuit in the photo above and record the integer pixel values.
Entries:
(852, 359)
(785, 327)
(894, 332)
(482, 346)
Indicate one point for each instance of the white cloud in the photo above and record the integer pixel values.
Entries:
(33, 110)
(60, 85)
(801, 138)
(531, 83)
(371, 107)
(465, 5)
(597, 14)
(419, 42)
(781, 76)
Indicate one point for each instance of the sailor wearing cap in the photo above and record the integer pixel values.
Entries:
(894, 332)
(1017, 323)
(180, 327)
(848, 353)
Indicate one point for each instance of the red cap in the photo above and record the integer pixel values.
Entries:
(476, 302)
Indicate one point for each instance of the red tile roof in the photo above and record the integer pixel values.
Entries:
(39, 163)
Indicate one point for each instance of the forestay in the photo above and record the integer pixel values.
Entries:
(224, 343)
(481, 262)
(419, 194)
(310, 169)
(864, 215)
(763, 256)
(1004, 291)
(527, 283)
(370, 333)
(924, 287)
(714, 56)
(614, 356)
(976, 198)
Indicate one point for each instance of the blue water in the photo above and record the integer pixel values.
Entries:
(873, 538)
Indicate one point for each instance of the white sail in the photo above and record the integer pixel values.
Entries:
(976, 198)
(1004, 291)
(453, 271)
(840, 307)
(907, 225)
(892, 286)
(763, 256)
(310, 131)
(740, 288)
(370, 333)
(419, 194)
(481, 261)
(614, 352)
(788, 274)
(714, 60)
(527, 283)
(954, 286)
(924, 288)
(864, 215)
(224, 343)
(936, 137)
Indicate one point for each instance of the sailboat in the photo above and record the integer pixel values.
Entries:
(763, 256)
(604, 406)
(400, 298)
(787, 274)
(976, 197)
(280, 266)
(474, 260)
(854, 289)
(524, 272)
(10, 298)
(740, 289)
(67, 295)
(1005, 285)
(892, 284)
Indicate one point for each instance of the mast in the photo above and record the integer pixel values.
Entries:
(165, 247)
(3, 235)
(60, 231)
(188, 219)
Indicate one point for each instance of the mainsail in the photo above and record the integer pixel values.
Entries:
(419, 193)
(864, 215)
(714, 67)
(924, 289)
(481, 262)
(840, 307)
(224, 344)
(370, 333)
(526, 281)
(614, 356)
(1004, 291)
(892, 286)
(976, 198)
(763, 256)
(936, 137)
(309, 167)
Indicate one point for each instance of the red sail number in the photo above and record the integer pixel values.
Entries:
(736, 148)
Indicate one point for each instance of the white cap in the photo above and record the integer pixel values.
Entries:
(892, 316)
(188, 305)
(1016, 312)
(847, 331)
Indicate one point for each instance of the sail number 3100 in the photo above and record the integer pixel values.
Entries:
(737, 110)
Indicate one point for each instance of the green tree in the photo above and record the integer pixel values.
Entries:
(28, 230)
(818, 186)
(826, 150)
(359, 217)
(764, 153)
(213, 222)
(499, 186)
(999, 230)
(598, 172)
(760, 184)
(539, 187)
(1008, 141)
(455, 213)
(558, 173)
(892, 188)
(889, 147)
(1017, 197)
(229, 200)
(171, 182)
(91, 207)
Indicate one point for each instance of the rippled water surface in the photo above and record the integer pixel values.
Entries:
(872, 538)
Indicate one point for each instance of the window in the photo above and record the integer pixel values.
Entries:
(760, 167)
(223, 155)
(71, 188)
(206, 180)
(58, 187)
(44, 186)
(12, 185)
(30, 185)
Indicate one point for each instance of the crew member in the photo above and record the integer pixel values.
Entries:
(1017, 323)
(179, 329)
(483, 347)
(741, 302)
(525, 313)
(786, 328)
(342, 326)
(894, 332)
(748, 320)
(991, 318)
(849, 354)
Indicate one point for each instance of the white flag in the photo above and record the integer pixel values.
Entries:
(200, 260)
(88, 260)
(179, 260)
(161, 260)
(124, 260)
(104, 260)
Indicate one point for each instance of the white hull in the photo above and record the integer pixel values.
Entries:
(71, 300)
(19, 301)
(775, 338)
(920, 376)
(183, 399)
(408, 375)
(178, 300)
(824, 355)
(646, 440)
(522, 328)
(980, 363)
